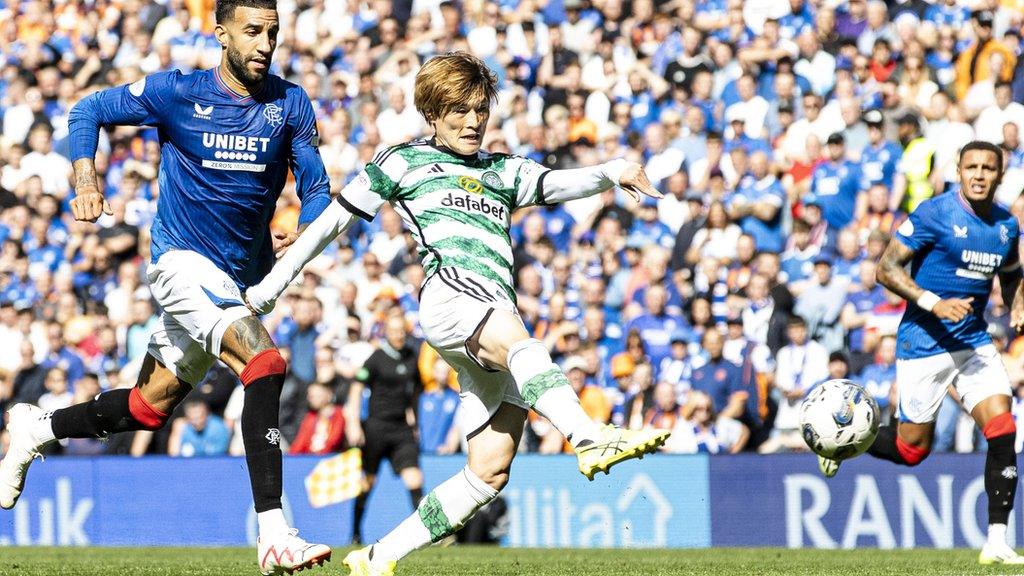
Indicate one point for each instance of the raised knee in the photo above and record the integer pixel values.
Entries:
(266, 363)
(912, 455)
(148, 417)
(494, 476)
(917, 459)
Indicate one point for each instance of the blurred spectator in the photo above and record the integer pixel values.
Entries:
(677, 367)
(975, 63)
(58, 393)
(323, 428)
(60, 356)
(298, 335)
(593, 400)
(757, 205)
(864, 297)
(666, 410)
(881, 157)
(436, 413)
(720, 378)
(88, 387)
(701, 430)
(717, 239)
(655, 325)
(799, 366)
(836, 184)
(30, 379)
(198, 433)
(53, 169)
(821, 302)
(879, 379)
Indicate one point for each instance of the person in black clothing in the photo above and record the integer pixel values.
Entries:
(388, 430)
(684, 237)
(29, 382)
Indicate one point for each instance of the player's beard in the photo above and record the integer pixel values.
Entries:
(238, 68)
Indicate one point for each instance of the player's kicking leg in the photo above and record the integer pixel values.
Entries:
(144, 407)
(446, 508)
(248, 350)
(503, 342)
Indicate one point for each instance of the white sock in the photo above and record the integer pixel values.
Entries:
(997, 534)
(546, 389)
(272, 522)
(42, 429)
(441, 513)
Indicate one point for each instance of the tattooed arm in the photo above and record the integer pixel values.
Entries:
(141, 104)
(88, 203)
(892, 274)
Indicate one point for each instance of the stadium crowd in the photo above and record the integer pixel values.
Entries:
(789, 137)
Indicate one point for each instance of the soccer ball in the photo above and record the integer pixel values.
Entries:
(839, 419)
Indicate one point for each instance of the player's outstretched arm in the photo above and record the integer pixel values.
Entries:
(892, 274)
(324, 229)
(557, 186)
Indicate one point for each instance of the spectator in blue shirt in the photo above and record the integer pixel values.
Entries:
(864, 297)
(880, 157)
(848, 256)
(677, 368)
(798, 259)
(948, 13)
(198, 433)
(836, 183)
(757, 205)
(656, 325)
(61, 356)
(436, 413)
(559, 224)
(42, 254)
(648, 228)
(606, 343)
(1012, 146)
(720, 378)
(299, 337)
(878, 378)
(654, 268)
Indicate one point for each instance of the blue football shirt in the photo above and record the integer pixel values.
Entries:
(956, 255)
(224, 159)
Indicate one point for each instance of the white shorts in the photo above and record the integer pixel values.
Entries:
(921, 383)
(454, 304)
(199, 302)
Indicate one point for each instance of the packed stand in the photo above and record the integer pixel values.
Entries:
(789, 138)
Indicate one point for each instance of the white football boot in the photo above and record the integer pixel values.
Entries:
(287, 553)
(25, 448)
(999, 553)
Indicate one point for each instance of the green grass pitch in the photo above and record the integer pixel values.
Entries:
(508, 562)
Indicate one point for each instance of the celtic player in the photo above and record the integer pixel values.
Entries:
(458, 201)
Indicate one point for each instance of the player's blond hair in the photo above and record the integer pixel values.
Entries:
(455, 78)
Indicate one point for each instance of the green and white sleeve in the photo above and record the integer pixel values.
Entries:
(537, 185)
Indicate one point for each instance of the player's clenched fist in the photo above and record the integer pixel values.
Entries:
(88, 205)
(953, 309)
